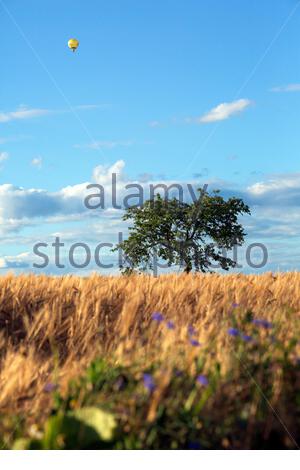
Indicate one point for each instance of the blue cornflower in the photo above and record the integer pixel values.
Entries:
(157, 316)
(264, 323)
(170, 325)
(193, 445)
(50, 387)
(233, 332)
(235, 305)
(191, 331)
(194, 342)
(201, 379)
(247, 338)
(149, 382)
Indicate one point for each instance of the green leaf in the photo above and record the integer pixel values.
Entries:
(24, 443)
(84, 428)
(102, 422)
(57, 427)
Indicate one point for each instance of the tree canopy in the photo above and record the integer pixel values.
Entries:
(193, 235)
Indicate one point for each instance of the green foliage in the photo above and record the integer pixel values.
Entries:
(80, 429)
(194, 236)
(108, 407)
(24, 443)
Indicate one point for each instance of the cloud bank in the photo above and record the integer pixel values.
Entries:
(278, 196)
(274, 202)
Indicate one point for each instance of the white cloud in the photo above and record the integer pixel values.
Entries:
(37, 162)
(286, 88)
(18, 204)
(224, 111)
(279, 184)
(105, 144)
(3, 156)
(18, 261)
(102, 174)
(23, 113)
(20, 207)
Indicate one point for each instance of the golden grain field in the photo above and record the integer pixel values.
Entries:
(52, 327)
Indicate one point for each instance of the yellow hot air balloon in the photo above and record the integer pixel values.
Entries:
(73, 44)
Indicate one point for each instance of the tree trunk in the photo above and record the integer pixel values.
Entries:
(188, 267)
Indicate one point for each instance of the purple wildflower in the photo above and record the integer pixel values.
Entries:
(50, 387)
(247, 338)
(149, 382)
(191, 331)
(233, 332)
(157, 316)
(194, 342)
(264, 323)
(170, 325)
(235, 305)
(201, 379)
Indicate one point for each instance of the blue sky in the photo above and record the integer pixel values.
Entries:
(199, 91)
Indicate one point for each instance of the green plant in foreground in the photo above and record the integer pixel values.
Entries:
(117, 407)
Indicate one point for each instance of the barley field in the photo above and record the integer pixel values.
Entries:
(136, 362)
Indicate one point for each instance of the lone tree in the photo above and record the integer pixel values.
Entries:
(194, 236)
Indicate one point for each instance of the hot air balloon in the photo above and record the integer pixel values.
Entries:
(73, 44)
